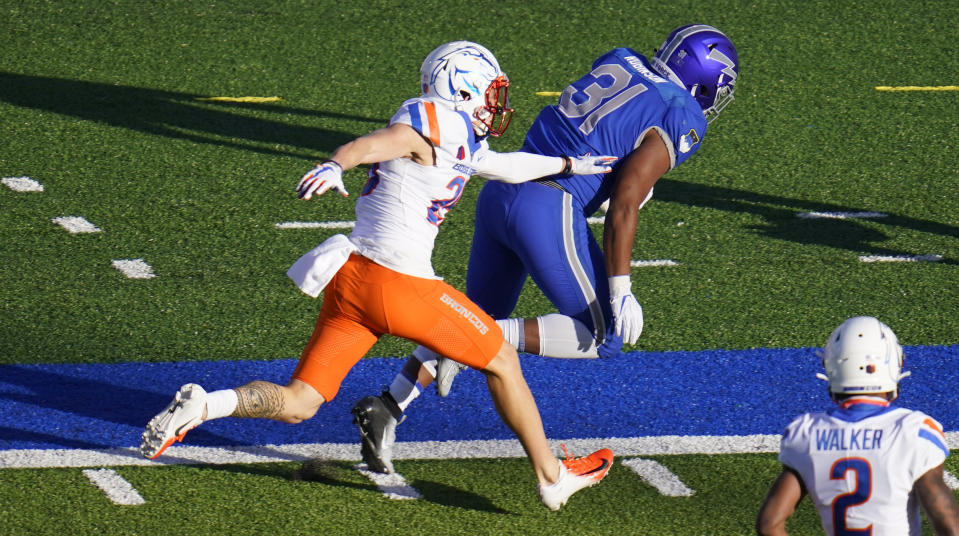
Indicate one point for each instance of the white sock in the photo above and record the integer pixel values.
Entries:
(565, 337)
(406, 387)
(220, 404)
(513, 332)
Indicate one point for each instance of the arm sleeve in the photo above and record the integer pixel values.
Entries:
(517, 167)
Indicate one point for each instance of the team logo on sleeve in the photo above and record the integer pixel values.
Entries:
(688, 140)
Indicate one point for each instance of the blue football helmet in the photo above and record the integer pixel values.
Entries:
(703, 60)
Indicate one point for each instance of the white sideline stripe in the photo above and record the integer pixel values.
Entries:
(117, 489)
(76, 224)
(426, 450)
(654, 262)
(22, 184)
(316, 225)
(951, 480)
(393, 485)
(900, 258)
(659, 477)
(841, 215)
(134, 268)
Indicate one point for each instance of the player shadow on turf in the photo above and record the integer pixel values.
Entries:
(344, 474)
(86, 400)
(783, 221)
(265, 127)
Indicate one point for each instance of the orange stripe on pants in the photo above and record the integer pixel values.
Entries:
(365, 300)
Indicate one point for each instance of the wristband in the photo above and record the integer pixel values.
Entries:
(619, 285)
(334, 162)
(567, 165)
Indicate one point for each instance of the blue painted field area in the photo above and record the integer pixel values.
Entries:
(715, 392)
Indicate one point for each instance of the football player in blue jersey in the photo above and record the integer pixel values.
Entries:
(650, 112)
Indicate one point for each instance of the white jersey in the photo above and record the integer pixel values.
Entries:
(403, 203)
(859, 463)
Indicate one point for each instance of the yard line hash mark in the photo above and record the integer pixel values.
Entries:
(900, 258)
(653, 262)
(658, 476)
(116, 488)
(316, 225)
(76, 224)
(22, 184)
(841, 215)
(134, 268)
(392, 485)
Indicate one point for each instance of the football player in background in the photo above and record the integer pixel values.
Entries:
(652, 113)
(866, 464)
(380, 279)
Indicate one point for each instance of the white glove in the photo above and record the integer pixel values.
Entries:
(323, 177)
(588, 165)
(627, 313)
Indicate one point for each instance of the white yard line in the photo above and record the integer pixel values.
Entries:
(116, 488)
(437, 450)
(427, 450)
(658, 476)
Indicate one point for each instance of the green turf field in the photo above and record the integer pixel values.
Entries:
(99, 102)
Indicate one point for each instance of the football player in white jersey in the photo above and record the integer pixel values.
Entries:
(380, 280)
(866, 464)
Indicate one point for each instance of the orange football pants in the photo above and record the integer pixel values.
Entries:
(365, 300)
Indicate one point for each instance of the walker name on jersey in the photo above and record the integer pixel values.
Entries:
(863, 439)
(466, 313)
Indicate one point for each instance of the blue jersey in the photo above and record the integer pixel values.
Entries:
(607, 112)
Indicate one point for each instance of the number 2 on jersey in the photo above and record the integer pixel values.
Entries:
(863, 490)
(600, 100)
(437, 210)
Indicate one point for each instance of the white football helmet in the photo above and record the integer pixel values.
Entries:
(468, 76)
(863, 356)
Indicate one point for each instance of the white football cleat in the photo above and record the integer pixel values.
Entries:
(446, 371)
(171, 424)
(574, 475)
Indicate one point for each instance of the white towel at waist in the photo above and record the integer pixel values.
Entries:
(313, 271)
